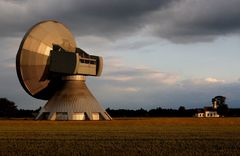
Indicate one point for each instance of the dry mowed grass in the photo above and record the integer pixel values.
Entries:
(142, 136)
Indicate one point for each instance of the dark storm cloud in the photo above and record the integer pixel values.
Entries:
(175, 20)
(110, 18)
(102, 18)
(197, 20)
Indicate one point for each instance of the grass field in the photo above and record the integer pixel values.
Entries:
(142, 136)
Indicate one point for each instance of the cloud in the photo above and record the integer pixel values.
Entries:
(166, 78)
(8, 51)
(113, 29)
(203, 82)
(139, 74)
(128, 89)
(214, 80)
(151, 94)
(196, 20)
(119, 78)
(102, 18)
(180, 21)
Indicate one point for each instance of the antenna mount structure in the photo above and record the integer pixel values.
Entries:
(50, 67)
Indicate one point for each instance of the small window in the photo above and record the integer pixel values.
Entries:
(95, 116)
(79, 116)
(61, 116)
(92, 62)
(44, 116)
(81, 60)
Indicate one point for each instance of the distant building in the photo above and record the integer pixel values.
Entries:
(200, 114)
(211, 112)
(207, 112)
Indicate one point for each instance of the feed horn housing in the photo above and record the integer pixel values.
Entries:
(74, 63)
(50, 67)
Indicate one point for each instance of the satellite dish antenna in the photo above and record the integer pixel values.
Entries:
(51, 67)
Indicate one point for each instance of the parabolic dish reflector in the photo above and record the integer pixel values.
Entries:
(33, 56)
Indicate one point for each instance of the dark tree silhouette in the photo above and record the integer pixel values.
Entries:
(223, 110)
(181, 111)
(7, 108)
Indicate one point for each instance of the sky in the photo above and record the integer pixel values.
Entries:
(167, 53)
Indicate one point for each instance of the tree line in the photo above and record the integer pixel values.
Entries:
(161, 112)
(8, 109)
